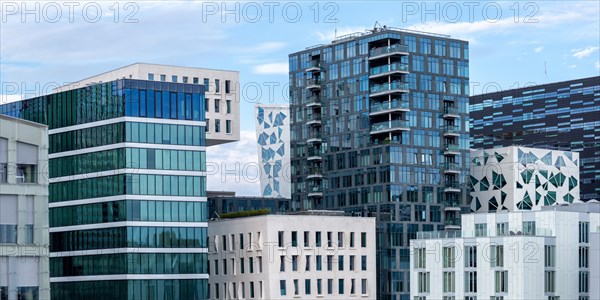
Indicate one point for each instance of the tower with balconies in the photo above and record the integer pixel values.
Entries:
(377, 125)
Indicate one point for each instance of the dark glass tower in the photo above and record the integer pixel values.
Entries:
(561, 116)
(379, 128)
(128, 205)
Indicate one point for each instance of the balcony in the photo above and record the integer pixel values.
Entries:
(381, 52)
(429, 235)
(314, 154)
(451, 130)
(314, 119)
(451, 113)
(315, 173)
(314, 137)
(387, 126)
(313, 83)
(387, 88)
(313, 101)
(315, 191)
(451, 149)
(451, 187)
(452, 223)
(450, 168)
(385, 70)
(389, 106)
(314, 65)
(451, 205)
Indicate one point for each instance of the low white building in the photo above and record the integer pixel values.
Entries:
(309, 255)
(551, 253)
(222, 93)
(520, 178)
(24, 238)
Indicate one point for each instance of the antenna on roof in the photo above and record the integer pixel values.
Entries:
(377, 26)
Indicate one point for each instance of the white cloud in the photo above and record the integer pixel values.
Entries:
(572, 66)
(267, 47)
(538, 49)
(584, 52)
(598, 64)
(234, 166)
(271, 68)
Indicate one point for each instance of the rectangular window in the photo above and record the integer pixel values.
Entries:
(217, 102)
(497, 256)
(307, 239)
(216, 267)
(481, 230)
(329, 262)
(163, 77)
(584, 281)
(242, 265)
(419, 258)
(363, 286)
(471, 256)
(341, 286)
(449, 282)
(150, 76)
(363, 239)
(294, 238)
(550, 256)
(319, 262)
(241, 241)
(307, 263)
(549, 282)
(340, 239)
(423, 282)
(584, 232)
(217, 86)
(224, 242)
(206, 83)
(251, 265)
(224, 266)
(296, 291)
(185, 79)
(228, 106)
(583, 257)
(449, 257)
(470, 282)
(528, 227)
(329, 239)
(307, 286)
(282, 263)
(195, 80)
(227, 86)
(363, 263)
(340, 262)
(280, 240)
(319, 287)
(329, 286)
(260, 265)
(351, 239)
(174, 78)
(318, 239)
(501, 281)
(207, 125)
(282, 288)
(351, 262)
(217, 125)
(502, 229)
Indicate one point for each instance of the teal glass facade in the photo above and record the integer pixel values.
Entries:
(127, 189)
(379, 127)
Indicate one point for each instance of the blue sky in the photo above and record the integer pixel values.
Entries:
(511, 43)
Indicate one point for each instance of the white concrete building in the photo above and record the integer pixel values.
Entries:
(519, 178)
(222, 93)
(273, 141)
(310, 255)
(551, 253)
(24, 240)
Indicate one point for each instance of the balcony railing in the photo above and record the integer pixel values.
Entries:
(314, 135)
(451, 203)
(450, 166)
(313, 81)
(453, 221)
(314, 64)
(451, 147)
(313, 100)
(388, 68)
(389, 105)
(389, 86)
(428, 235)
(453, 129)
(313, 117)
(315, 189)
(388, 49)
(315, 171)
(451, 110)
(452, 185)
(389, 125)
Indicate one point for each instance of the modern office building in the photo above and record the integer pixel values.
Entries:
(544, 254)
(220, 203)
(520, 178)
(280, 257)
(379, 127)
(128, 211)
(222, 104)
(24, 245)
(562, 116)
(273, 141)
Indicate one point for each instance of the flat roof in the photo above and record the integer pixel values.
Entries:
(23, 121)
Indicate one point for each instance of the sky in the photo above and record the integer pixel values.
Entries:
(511, 44)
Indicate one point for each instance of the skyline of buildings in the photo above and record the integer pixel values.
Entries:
(379, 127)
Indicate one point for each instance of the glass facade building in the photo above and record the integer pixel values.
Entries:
(128, 208)
(379, 127)
(559, 116)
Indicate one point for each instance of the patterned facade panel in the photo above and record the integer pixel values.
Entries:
(520, 178)
(273, 142)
